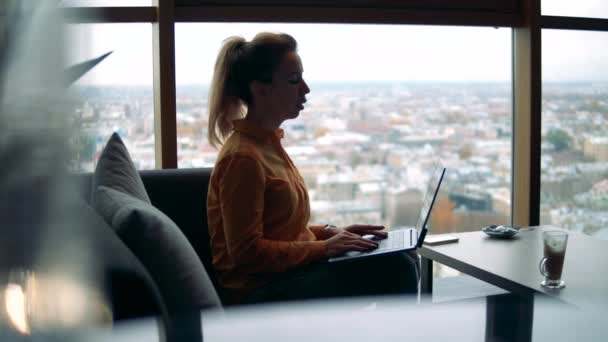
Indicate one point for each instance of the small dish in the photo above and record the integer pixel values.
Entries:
(501, 232)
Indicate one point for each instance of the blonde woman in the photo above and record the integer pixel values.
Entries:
(263, 247)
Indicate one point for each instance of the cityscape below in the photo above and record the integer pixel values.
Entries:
(366, 149)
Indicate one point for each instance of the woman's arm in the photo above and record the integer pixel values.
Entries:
(241, 194)
(318, 230)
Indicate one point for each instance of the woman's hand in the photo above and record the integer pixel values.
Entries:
(364, 229)
(359, 229)
(345, 241)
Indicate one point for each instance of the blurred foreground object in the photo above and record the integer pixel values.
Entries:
(390, 318)
(49, 273)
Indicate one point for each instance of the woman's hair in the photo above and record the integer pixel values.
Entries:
(238, 64)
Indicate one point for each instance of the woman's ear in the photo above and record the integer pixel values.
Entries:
(258, 89)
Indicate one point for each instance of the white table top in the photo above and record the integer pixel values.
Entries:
(512, 264)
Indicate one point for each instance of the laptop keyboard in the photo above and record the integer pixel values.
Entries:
(395, 239)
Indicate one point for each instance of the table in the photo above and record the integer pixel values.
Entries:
(512, 265)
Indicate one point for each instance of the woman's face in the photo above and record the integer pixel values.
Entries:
(287, 92)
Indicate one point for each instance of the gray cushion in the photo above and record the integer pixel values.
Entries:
(161, 247)
(116, 170)
(130, 287)
(120, 197)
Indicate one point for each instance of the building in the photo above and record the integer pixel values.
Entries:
(596, 148)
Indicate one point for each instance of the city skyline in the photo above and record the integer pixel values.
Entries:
(362, 150)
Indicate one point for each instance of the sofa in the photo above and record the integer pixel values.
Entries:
(151, 239)
(181, 194)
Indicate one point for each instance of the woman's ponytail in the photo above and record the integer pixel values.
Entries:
(225, 104)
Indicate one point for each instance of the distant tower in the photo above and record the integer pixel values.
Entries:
(128, 112)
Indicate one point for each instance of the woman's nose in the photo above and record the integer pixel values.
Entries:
(305, 87)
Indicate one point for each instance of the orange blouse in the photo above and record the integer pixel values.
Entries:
(258, 211)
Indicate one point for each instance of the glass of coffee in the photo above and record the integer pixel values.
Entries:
(554, 242)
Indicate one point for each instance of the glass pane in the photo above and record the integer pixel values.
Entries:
(495, 5)
(385, 101)
(116, 95)
(574, 159)
(106, 3)
(581, 8)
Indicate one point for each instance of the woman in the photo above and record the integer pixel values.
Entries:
(258, 208)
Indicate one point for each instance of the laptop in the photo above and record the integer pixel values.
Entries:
(406, 238)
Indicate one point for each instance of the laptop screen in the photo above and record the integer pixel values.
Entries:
(429, 199)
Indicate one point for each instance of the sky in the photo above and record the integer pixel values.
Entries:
(337, 52)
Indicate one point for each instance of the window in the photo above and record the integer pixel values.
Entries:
(582, 8)
(382, 107)
(116, 95)
(574, 176)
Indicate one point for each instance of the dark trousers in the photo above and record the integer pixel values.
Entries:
(393, 273)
